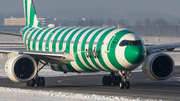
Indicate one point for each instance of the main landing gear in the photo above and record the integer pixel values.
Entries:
(115, 80)
(38, 81)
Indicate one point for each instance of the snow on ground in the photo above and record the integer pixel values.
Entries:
(15, 94)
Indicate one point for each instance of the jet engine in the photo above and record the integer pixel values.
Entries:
(158, 66)
(21, 68)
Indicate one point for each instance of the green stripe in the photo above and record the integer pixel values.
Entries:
(70, 67)
(60, 68)
(25, 4)
(32, 14)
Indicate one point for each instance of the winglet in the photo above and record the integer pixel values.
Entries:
(30, 14)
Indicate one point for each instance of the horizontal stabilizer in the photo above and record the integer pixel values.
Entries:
(14, 34)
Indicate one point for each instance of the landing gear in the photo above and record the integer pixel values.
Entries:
(38, 81)
(115, 80)
(112, 79)
(125, 75)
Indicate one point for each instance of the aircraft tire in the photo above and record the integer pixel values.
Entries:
(108, 81)
(104, 80)
(127, 84)
(121, 84)
(117, 80)
(32, 83)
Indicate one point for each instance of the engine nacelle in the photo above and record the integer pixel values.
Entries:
(21, 68)
(158, 66)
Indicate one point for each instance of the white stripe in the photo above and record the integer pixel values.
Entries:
(35, 22)
(28, 10)
(106, 41)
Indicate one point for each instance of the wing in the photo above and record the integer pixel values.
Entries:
(52, 57)
(14, 34)
(163, 46)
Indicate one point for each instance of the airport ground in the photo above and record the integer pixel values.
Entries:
(141, 86)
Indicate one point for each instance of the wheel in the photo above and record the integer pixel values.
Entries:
(127, 85)
(104, 80)
(108, 82)
(121, 84)
(27, 83)
(41, 81)
(117, 80)
(32, 83)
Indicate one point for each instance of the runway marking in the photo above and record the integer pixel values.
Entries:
(60, 81)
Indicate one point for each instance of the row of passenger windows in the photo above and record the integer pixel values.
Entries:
(59, 41)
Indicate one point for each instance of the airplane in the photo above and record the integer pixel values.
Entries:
(84, 49)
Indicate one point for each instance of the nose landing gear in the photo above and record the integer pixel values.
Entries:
(125, 75)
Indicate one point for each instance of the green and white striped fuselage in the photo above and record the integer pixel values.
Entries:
(94, 49)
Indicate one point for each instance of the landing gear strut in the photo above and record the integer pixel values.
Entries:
(125, 75)
(39, 81)
(115, 80)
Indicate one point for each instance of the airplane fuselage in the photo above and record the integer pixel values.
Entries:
(94, 49)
